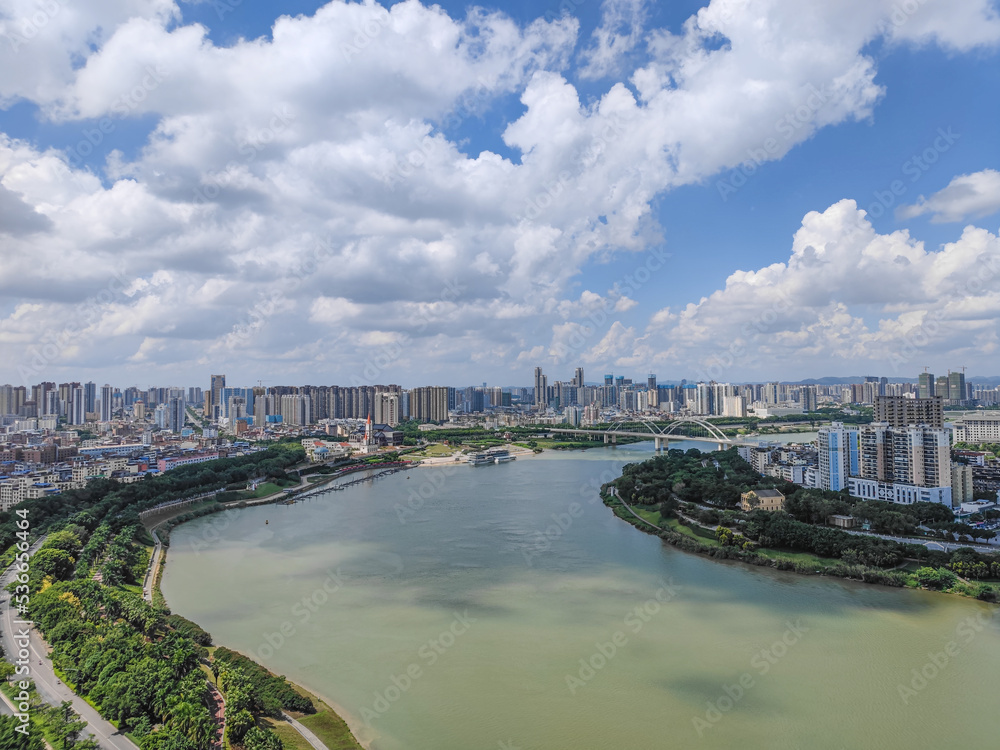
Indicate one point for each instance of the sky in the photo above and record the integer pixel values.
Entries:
(357, 193)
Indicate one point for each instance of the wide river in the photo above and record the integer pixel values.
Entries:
(505, 607)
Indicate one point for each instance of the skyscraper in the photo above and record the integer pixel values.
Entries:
(76, 411)
(898, 411)
(213, 397)
(838, 456)
(175, 413)
(925, 382)
(541, 389)
(956, 387)
(90, 397)
(107, 402)
(578, 377)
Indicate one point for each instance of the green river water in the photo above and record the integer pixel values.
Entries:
(508, 608)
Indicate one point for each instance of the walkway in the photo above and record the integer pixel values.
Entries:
(311, 738)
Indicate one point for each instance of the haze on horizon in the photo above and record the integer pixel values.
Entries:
(359, 193)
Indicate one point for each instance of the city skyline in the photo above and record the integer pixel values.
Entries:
(619, 185)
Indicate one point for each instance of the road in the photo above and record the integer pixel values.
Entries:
(935, 544)
(49, 687)
(154, 559)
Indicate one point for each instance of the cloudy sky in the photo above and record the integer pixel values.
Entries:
(362, 193)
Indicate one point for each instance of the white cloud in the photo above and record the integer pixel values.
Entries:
(620, 31)
(848, 294)
(968, 196)
(300, 206)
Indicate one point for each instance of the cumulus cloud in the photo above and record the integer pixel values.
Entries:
(620, 32)
(300, 207)
(968, 196)
(847, 294)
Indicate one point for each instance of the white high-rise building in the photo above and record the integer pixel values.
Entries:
(387, 409)
(107, 402)
(76, 413)
(838, 456)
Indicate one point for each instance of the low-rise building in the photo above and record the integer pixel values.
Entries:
(769, 500)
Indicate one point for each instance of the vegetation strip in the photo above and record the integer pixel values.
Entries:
(152, 673)
(663, 491)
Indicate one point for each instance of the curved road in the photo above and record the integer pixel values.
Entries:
(49, 687)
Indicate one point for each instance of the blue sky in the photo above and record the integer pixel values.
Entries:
(215, 282)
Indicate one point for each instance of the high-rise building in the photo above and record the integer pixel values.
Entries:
(213, 397)
(295, 410)
(90, 397)
(430, 404)
(578, 378)
(107, 402)
(899, 411)
(704, 399)
(925, 383)
(956, 387)
(903, 464)
(7, 400)
(175, 414)
(541, 390)
(387, 409)
(838, 456)
(809, 398)
(609, 380)
(941, 387)
(651, 382)
(76, 413)
(961, 484)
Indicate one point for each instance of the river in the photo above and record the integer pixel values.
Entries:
(505, 607)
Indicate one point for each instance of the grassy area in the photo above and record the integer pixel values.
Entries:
(695, 532)
(434, 450)
(290, 739)
(806, 558)
(265, 489)
(325, 724)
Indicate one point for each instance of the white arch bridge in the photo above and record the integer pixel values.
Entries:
(661, 434)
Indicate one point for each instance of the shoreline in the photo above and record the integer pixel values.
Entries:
(354, 724)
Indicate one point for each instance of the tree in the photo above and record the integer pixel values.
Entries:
(261, 739)
(11, 739)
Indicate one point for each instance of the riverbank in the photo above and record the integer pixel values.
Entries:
(692, 537)
(335, 727)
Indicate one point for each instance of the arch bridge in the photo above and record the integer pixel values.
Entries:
(661, 434)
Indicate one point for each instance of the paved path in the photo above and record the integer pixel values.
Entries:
(154, 559)
(311, 738)
(49, 687)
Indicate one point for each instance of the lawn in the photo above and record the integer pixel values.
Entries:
(290, 739)
(695, 532)
(434, 450)
(326, 724)
(797, 557)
